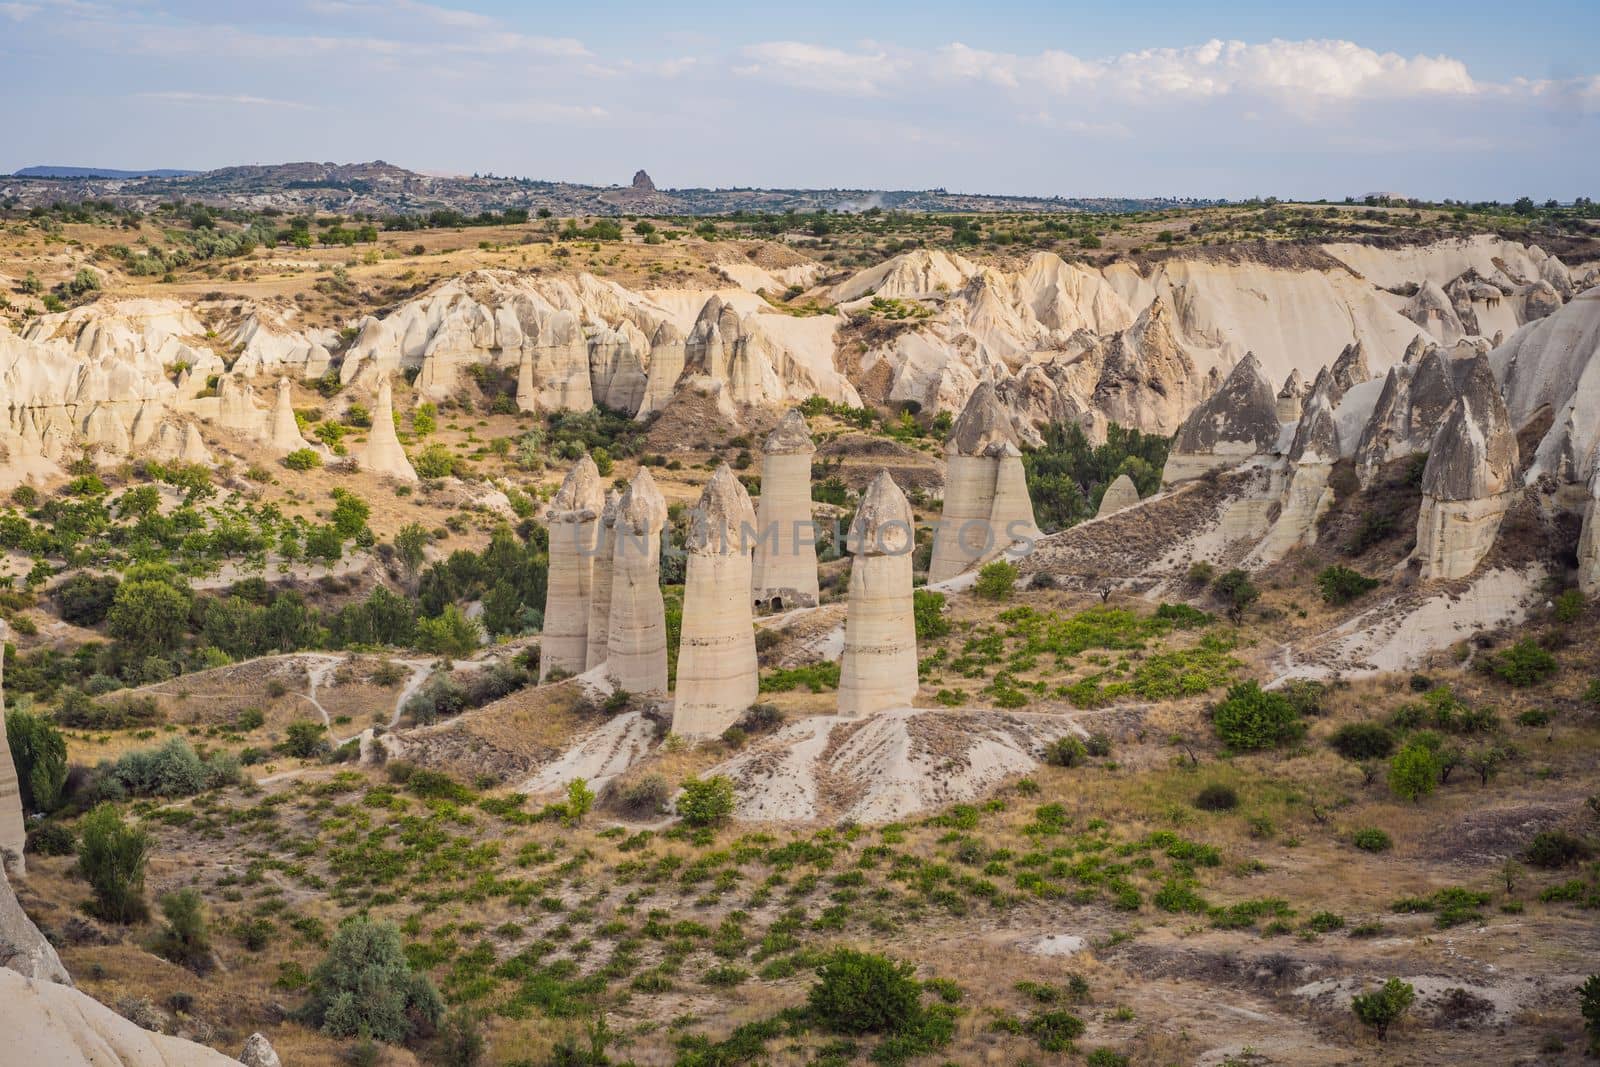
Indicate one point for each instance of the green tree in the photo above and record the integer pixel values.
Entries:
(450, 633)
(409, 545)
(1589, 1005)
(864, 993)
(1253, 718)
(112, 856)
(184, 939)
(365, 988)
(1341, 585)
(928, 610)
(39, 753)
(706, 803)
(1384, 1007)
(996, 580)
(149, 614)
(1414, 771)
(1237, 593)
(350, 513)
(580, 799)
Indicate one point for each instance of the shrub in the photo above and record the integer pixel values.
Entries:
(1098, 745)
(39, 753)
(1523, 664)
(1054, 1030)
(112, 860)
(761, 718)
(1066, 752)
(365, 988)
(1341, 585)
(1382, 1008)
(1362, 740)
(996, 580)
(173, 770)
(928, 610)
(51, 839)
(305, 739)
(706, 803)
(184, 940)
(644, 796)
(1556, 848)
(1589, 1006)
(1371, 839)
(1237, 592)
(302, 459)
(84, 598)
(1568, 607)
(1217, 797)
(451, 633)
(1414, 771)
(580, 800)
(1201, 572)
(1253, 718)
(863, 993)
(435, 461)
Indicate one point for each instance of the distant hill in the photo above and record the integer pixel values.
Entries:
(386, 189)
(99, 172)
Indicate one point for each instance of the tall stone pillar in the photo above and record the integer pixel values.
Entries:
(383, 453)
(13, 831)
(284, 432)
(600, 584)
(636, 646)
(717, 652)
(786, 553)
(879, 667)
(574, 518)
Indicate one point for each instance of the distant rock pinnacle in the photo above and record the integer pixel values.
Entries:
(642, 183)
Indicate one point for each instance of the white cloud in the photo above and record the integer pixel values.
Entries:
(830, 70)
(183, 97)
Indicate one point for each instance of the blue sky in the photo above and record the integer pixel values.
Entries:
(1464, 99)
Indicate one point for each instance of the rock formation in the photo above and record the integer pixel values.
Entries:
(1291, 396)
(600, 583)
(13, 829)
(1349, 371)
(1236, 422)
(383, 453)
(986, 505)
(1312, 454)
(1411, 409)
(285, 434)
(1589, 540)
(786, 554)
(574, 518)
(1469, 481)
(1431, 309)
(636, 644)
(258, 1052)
(667, 360)
(717, 653)
(1120, 494)
(878, 670)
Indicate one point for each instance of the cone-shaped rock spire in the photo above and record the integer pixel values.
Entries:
(574, 518)
(383, 453)
(878, 670)
(786, 554)
(636, 644)
(986, 504)
(717, 652)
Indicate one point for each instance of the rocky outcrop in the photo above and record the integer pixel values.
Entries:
(258, 1052)
(383, 454)
(1120, 494)
(1431, 309)
(13, 829)
(1307, 495)
(636, 644)
(285, 435)
(600, 583)
(574, 520)
(1415, 400)
(1236, 422)
(717, 652)
(786, 537)
(1589, 539)
(878, 670)
(986, 504)
(1291, 396)
(1469, 481)
(1348, 371)
(668, 358)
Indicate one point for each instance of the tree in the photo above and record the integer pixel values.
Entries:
(39, 753)
(1589, 1004)
(84, 598)
(1253, 718)
(996, 580)
(706, 803)
(927, 608)
(449, 634)
(184, 939)
(1341, 585)
(409, 544)
(1237, 592)
(580, 799)
(112, 857)
(1414, 771)
(864, 993)
(366, 988)
(149, 614)
(1382, 1008)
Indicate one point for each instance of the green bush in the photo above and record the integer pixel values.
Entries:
(1568, 607)
(996, 580)
(173, 770)
(302, 459)
(1054, 1030)
(1371, 839)
(1066, 752)
(1414, 770)
(1589, 1006)
(450, 633)
(84, 598)
(928, 610)
(1382, 1008)
(435, 461)
(305, 739)
(112, 859)
(706, 803)
(1253, 718)
(365, 988)
(1217, 797)
(1362, 740)
(1341, 585)
(51, 839)
(39, 753)
(184, 939)
(1237, 592)
(1522, 665)
(863, 993)
(1551, 849)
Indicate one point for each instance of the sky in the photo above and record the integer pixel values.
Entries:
(1466, 99)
